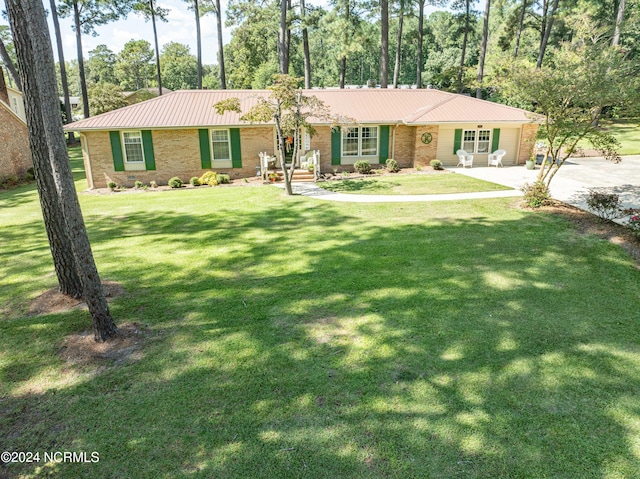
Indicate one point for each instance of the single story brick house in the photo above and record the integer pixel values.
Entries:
(15, 153)
(180, 134)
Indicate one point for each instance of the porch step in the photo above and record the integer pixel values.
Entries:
(301, 176)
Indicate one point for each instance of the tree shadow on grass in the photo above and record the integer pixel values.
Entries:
(367, 185)
(295, 344)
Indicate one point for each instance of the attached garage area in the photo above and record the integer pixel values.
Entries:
(479, 141)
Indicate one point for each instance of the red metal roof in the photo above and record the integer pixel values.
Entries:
(194, 109)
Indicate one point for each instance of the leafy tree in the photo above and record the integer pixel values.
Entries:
(101, 65)
(291, 112)
(87, 15)
(51, 163)
(134, 65)
(570, 93)
(5, 55)
(150, 11)
(179, 67)
(104, 97)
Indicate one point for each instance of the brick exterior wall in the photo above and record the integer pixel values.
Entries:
(176, 152)
(527, 141)
(424, 153)
(402, 148)
(15, 153)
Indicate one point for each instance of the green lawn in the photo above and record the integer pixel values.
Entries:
(419, 184)
(291, 337)
(627, 132)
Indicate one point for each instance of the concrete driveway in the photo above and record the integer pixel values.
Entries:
(574, 179)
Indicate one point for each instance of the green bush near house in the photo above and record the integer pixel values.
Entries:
(209, 178)
(392, 165)
(175, 182)
(195, 181)
(223, 178)
(362, 166)
(436, 164)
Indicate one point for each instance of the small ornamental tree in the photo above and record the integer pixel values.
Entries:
(290, 111)
(571, 94)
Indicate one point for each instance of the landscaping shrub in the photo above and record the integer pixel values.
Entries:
(153, 184)
(138, 184)
(209, 178)
(536, 194)
(436, 164)
(362, 166)
(112, 185)
(605, 205)
(195, 181)
(30, 175)
(223, 178)
(633, 223)
(392, 165)
(175, 182)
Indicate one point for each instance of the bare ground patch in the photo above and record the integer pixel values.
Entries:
(52, 301)
(80, 349)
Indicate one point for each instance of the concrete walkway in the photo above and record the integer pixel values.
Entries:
(570, 185)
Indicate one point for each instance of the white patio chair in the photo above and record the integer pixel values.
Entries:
(495, 158)
(464, 159)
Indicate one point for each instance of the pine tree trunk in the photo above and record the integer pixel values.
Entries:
(520, 26)
(420, 41)
(282, 39)
(384, 43)
(396, 68)
(199, 42)
(155, 40)
(305, 46)
(615, 41)
(35, 60)
(83, 78)
(547, 34)
(223, 77)
(63, 69)
(483, 49)
(343, 71)
(464, 45)
(6, 59)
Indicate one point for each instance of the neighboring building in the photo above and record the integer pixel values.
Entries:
(180, 134)
(15, 155)
(143, 94)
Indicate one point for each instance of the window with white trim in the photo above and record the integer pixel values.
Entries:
(360, 141)
(220, 146)
(133, 151)
(476, 141)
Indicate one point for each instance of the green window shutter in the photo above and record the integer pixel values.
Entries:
(336, 139)
(236, 152)
(495, 143)
(147, 146)
(205, 149)
(116, 150)
(384, 144)
(457, 140)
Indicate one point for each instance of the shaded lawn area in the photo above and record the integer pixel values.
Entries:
(296, 338)
(419, 184)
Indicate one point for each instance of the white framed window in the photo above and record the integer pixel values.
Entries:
(476, 141)
(360, 141)
(133, 150)
(220, 147)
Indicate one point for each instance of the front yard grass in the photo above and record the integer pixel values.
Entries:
(291, 337)
(418, 184)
